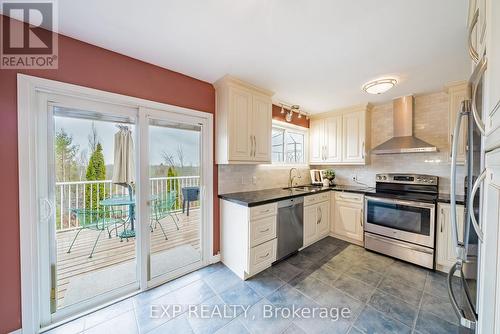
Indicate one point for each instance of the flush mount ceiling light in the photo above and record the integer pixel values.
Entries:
(379, 86)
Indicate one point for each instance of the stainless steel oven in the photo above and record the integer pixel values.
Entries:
(403, 220)
(400, 217)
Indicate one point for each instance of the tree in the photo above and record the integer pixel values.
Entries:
(173, 185)
(180, 155)
(66, 153)
(93, 138)
(168, 158)
(96, 170)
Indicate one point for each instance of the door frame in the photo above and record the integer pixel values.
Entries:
(28, 103)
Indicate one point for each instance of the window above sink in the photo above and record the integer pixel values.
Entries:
(289, 144)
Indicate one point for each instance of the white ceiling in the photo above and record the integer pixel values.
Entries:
(314, 53)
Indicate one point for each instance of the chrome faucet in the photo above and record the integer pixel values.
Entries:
(290, 178)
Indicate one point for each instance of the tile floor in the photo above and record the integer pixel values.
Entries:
(382, 294)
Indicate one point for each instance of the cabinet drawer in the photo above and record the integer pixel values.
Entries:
(262, 256)
(263, 210)
(349, 197)
(262, 230)
(313, 199)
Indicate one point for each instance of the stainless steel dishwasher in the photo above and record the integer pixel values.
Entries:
(290, 226)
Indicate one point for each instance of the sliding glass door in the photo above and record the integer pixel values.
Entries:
(122, 201)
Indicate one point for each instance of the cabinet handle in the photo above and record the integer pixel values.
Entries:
(361, 219)
(363, 150)
(263, 257)
(320, 212)
(442, 213)
(254, 146)
(472, 51)
(264, 231)
(450, 153)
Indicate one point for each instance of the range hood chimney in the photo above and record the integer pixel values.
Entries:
(403, 140)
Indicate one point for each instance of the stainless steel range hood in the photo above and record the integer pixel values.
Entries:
(403, 140)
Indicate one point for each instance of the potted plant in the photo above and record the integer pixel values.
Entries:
(329, 175)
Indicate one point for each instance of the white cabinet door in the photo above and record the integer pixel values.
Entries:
(445, 252)
(333, 139)
(310, 222)
(316, 149)
(491, 110)
(240, 101)
(348, 220)
(489, 294)
(353, 134)
(323, 221)
(261, 125)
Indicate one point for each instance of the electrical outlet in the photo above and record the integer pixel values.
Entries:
(254, 179)
(354, 177)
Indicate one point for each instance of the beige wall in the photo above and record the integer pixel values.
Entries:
(430, 125)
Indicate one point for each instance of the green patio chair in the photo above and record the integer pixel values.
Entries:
(98, 220)
(163, 206)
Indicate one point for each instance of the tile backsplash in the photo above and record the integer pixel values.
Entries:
(430, 125)
(236, 178)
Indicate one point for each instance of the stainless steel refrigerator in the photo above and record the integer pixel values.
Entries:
(463, 289)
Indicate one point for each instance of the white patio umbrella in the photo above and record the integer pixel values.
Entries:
(124, 164)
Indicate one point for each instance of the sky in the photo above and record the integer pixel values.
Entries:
(161, 139)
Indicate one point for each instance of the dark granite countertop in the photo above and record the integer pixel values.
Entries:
(260, 197)
(445, 198)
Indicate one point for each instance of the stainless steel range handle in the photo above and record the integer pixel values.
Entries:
(459, 249)
(467, 323)
(400, 202)
(472, 51)
(470, 210)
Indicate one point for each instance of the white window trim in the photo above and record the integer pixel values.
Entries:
(27, 106)
(297, 129)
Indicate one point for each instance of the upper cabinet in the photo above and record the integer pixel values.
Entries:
(243, 122)
(491, 87)
(340, 137)
(457, 93)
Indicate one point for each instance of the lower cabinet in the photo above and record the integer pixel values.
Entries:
(248, 237)
(445, 252)
(316, 217)
(347, 217)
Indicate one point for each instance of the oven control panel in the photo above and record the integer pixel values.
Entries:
(407, 178)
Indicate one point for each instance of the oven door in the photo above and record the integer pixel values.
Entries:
(403, 220)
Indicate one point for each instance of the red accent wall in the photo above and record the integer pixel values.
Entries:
(90, 66)
(280, 117)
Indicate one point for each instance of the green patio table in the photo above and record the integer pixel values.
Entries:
(123, 201)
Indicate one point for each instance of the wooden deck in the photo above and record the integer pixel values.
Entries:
(110, 251)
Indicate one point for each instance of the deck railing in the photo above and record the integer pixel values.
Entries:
(72, 195)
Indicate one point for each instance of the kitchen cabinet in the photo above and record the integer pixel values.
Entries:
(248, 237)
(243, 122)
(491, 88)
(445, 251)
(316, 217)
(325, 140)
(353, 137)
(457, 93)
(347, 213)
(489, 278)
(340, 137)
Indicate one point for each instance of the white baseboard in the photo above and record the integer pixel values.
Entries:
(214, 258)
(17, 331)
